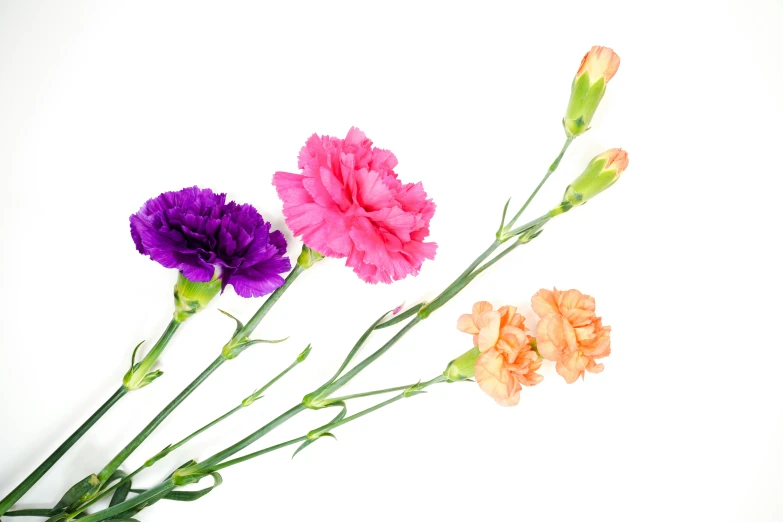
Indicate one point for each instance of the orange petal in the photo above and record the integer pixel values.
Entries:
(549, 348)
(544, 303)
(489, 332)
(479, 308)
(465, 324)
(494, 380)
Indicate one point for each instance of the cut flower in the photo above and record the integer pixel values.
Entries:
(569, 332)
(507, 361)
(348, 203)
(195, 231)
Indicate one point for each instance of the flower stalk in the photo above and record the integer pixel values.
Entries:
(91, 486)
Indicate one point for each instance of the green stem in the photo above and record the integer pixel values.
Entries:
(39, 472)
(371, 393)
(250, 439)
(134, 378)
(330, 426)
(257, 453)
(158, 491)
(476, 262)
(339, 383)
(254, 321)
(117, 461)
(552, 168)
(244, 332)
(400, 318)
(168, 449)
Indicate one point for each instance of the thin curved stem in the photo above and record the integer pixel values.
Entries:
(552, 168)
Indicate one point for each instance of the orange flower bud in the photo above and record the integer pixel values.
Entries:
(601, 173)
(599, 62)
(598, 67)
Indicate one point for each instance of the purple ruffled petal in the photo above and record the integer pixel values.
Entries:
(194, 230)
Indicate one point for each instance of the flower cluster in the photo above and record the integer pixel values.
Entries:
(348, 203)
(197, 232)
(569, 333)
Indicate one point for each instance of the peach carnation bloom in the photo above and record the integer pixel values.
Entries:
(507, 361)
(569, 332)
(599, 61)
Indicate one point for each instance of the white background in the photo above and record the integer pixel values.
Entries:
(105, 104)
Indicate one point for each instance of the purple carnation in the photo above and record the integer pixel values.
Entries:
(194, 230)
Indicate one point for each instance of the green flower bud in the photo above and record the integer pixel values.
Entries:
(308, 257)
(463, 367)
(598, 67)
(601, 173)
(191, 297)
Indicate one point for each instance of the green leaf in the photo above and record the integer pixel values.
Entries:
(30, 513)
(121, 493)
(317, 433)
(133, 357)
(190, 496)
(239, 323)
(503, 218)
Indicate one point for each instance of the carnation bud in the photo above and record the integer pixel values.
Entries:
(308, 257)
(598, 67)
(600, 174)
(191, 297)
(463, 367)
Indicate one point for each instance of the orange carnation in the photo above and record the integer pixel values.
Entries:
(569, 332)
(507, 361)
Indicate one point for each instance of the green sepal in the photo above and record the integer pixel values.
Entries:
(463, 367)
(584, 101)
(149, 378)
(239, 323)
(236, 347)
(190, 297)
(308, 257)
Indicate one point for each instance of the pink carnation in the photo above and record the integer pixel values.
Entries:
(349, 203)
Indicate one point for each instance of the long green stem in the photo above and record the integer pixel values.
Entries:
(244, 332)
(250, 439)
(46, 465)
(248, 401)
(258, 453)
(552, 168)
(339, 383)
(371, 393)
(332, 425)
(117, 461)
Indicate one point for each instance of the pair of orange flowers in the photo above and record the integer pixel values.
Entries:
(568, 333)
